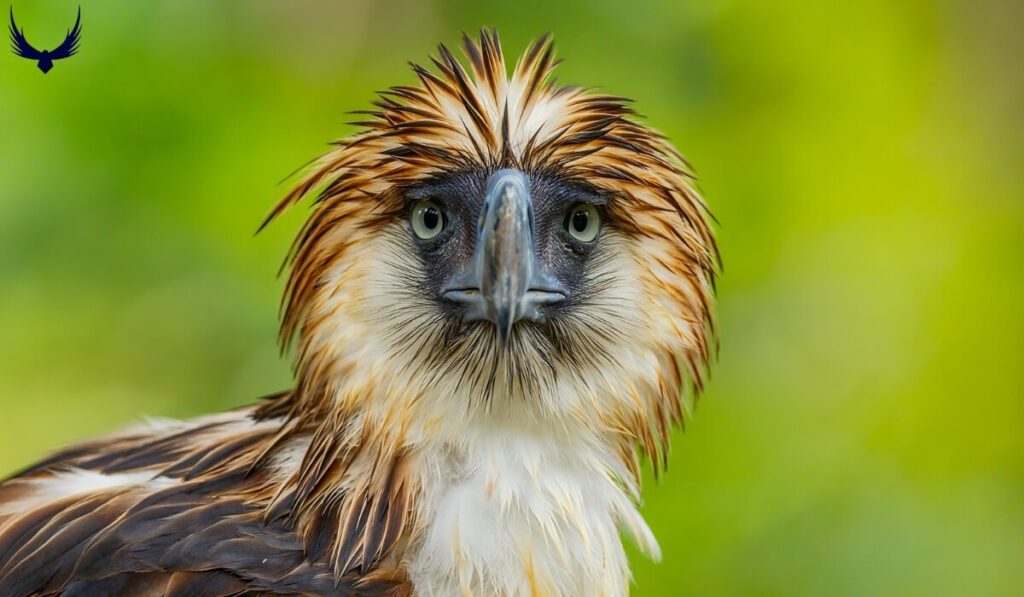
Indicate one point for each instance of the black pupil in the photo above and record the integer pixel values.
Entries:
(579, 221)
(431, 218)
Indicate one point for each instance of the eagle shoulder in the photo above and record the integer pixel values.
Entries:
(172, 509)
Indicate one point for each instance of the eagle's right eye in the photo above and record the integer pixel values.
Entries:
(427, 220)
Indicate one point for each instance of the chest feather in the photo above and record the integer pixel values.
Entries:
(510, 515)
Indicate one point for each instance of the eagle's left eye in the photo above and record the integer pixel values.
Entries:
(427, 219)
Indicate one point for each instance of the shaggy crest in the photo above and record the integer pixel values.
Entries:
(485, 119)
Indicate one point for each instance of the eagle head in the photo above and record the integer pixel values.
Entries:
(498, 247)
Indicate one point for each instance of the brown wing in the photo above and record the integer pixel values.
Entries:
(175, 511)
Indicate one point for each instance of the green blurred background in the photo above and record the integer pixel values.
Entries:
(862, 434)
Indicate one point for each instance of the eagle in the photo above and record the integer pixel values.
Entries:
(45, 58)
(499, 307)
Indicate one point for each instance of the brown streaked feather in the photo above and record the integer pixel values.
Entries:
(194, 524)
(203, 584)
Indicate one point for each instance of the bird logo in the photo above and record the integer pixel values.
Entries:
(45, 58)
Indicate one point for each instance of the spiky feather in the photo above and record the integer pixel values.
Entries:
(457, 121)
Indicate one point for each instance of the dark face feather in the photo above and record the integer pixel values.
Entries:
(460, 196)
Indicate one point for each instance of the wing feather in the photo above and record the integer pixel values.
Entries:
(181, 511)
(152, 584)
(69, 47)
(203, 584)
(19, 44)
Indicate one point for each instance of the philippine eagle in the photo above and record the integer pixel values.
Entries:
(502, 293)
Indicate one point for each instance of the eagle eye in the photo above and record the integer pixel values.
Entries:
(427, 220)
(583, 222)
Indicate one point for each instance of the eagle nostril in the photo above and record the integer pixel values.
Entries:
(541, 297)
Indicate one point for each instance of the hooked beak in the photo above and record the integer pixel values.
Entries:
(505, 284)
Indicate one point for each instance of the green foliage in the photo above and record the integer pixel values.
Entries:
(862, 431)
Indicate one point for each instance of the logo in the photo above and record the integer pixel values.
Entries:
(45, 58)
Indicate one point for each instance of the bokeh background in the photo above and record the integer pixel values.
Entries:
(862, 434)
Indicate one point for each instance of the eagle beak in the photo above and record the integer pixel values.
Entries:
(506, 284)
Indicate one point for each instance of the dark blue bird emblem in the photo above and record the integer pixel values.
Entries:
(45, 58)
